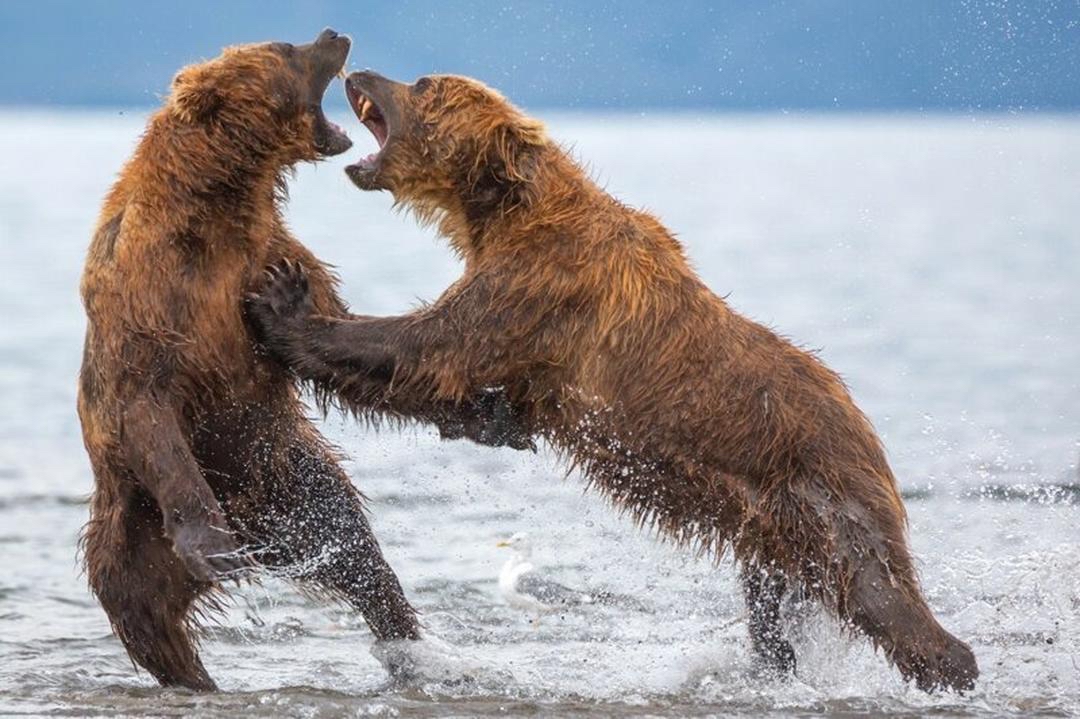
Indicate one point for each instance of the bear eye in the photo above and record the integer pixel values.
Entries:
(284, 48)
(422, 85)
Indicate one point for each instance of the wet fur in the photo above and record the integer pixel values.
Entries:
(201, 449)
(691, 418)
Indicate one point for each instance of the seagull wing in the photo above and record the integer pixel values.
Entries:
(548, 591)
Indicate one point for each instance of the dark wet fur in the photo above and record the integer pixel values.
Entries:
(696, 421)
(206, 466)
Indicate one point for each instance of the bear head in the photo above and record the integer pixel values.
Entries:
(265, 99)
(446, 143)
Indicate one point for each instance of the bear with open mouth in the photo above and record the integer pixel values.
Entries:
(205, 462)
(700, 422)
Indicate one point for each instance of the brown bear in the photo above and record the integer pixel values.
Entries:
(700, 422)
(198, 444)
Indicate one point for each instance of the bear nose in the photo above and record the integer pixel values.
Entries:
(327, 35)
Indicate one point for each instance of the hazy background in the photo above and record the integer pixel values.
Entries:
(891, 182)
(841, 55)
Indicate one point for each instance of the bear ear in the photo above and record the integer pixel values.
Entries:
(512, 143)
(504, 165)
(195, 95)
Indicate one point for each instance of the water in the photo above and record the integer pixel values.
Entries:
(935, 262)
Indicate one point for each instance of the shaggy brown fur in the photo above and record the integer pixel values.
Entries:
(690, 417)
(194, 439)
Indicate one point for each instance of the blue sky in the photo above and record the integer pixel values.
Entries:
(850, 55)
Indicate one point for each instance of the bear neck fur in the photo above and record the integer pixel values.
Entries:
(491, 212)
(209, 172)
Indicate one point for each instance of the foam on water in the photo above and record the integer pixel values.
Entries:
(935, 260)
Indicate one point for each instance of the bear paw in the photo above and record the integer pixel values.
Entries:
(208, 549)
(284, 299)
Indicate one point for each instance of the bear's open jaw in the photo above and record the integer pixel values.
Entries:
(330, 138)
(371, 116)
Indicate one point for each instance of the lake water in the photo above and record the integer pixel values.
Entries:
(934, 261)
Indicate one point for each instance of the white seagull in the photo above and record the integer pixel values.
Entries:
(523, 588)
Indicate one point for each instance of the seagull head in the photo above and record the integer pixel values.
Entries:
(519, 542)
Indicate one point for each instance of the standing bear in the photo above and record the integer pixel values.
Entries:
(199, 445)
(698, 421)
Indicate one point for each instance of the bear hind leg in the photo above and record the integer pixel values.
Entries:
(854, 557)
(321, 536)
(764, 591)
(147, 594)
(897, 618)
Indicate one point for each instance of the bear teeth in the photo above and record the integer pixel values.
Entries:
(365, 108)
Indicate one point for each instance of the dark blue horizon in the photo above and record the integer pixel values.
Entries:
(799, 55)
